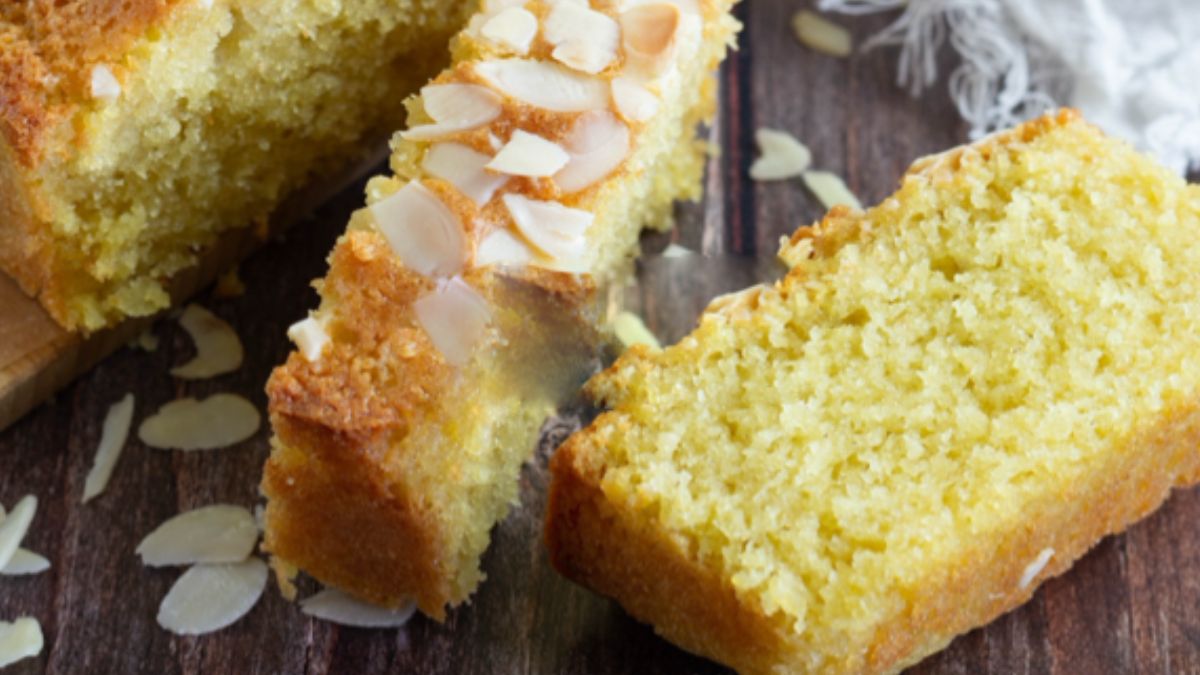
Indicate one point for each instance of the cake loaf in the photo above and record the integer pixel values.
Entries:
(949, 398)
(460, 305)
(134, 132)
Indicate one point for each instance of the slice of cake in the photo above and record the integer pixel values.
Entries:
(950, 397)
(133, 134)
(460, 305)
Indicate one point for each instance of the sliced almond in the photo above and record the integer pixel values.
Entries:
(649, 33)
(513, 28)
(597, 145)
(336, 607)
(423, 231)
(14, 528)
(463, 168)
(633, 101)
(455, 108)
(218, 349)
(829, 188)
(631, 330)
(528, 154)
(502, 248)
(112, 441)
(545, 85)
(455, 317)
(104, 84)
(583, 38)
(208, 598)
(822, 35)
(781, 156)
(1033, 569)
(219, 421)
(554, 229)
(25, 562)
(310, 337)
(674, 250)
(19, 640)
(219, 533)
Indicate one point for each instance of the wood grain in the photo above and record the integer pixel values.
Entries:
(1132, 605)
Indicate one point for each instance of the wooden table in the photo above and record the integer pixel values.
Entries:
(1132, 605)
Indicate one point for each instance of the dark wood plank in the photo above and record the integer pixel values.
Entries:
(1132, 605)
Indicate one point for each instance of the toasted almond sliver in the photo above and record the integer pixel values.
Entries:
(513, 28)
(583, 38)
(463, 168)
(335, 606)
(822, 35)
(218, 349)
(219, 421)
(455, 108)
(528, 154)
(554, 229)
(829, 188)
(19, 640)
(781, 156)
(633, 101)
(25, 562)
(220, 533)
(502, 248)
(422, 230)
(112, 441)
(1033, 569)
(597, 144)
(208, 598)
(545, 85)
(455, 317)
(104, 84)
(631, 330)
(14, 528)
(310, 337)
(649, 33)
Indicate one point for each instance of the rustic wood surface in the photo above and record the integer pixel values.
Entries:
(1131, 605)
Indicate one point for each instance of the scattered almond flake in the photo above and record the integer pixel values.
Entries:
(25, 562)
(1035, 568)
(528, 154)
(310, 337)
(104, 84)
(583, 38)
(208, 598)
(633, 101)
(422, 230)
(820, 34)
(146, 341)
(463, 168)
(221, 533)
(218, 349)
(14, 527)
(649, 32)
(829, 188)
(219, 421)
(337, 607)
(113, 435)
(545, 85)
(454, 316)
(631, 330)
(552, 228)
(19, 640)
(455, 108)
(781, 156)
(513, 28)
(597, 144)
(674, 250)
(736, 303)
(230, 285)
(260, 517)
(502, 248)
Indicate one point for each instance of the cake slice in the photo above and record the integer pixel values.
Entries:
(948, 399)
(460, 305)
(134, 133)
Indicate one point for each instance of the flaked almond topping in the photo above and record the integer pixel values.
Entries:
(310, 337)
(1035, 568)
(14, 528)
(463, 168)
(219, 533)
(633, 101)
(219, 421)
(631, 330)
(19, 640)
(673, 251)
(782, 156)
(218, 349)
(25, 563)
(335, 606)
(545, 85)
(454, 316)
(422, 230)
(829, 188)
(528, 154)
(454, 108)
(822, 35)
(104, 84)
(649, 35)
(597, 145)
(583, 38)
(555, 230)
(112, 440)
(513, 28)
(737, 303)
(208, 598)
(502, 248)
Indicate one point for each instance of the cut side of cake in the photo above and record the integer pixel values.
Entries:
(948, 399)
(134, 133)
(462, 303)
